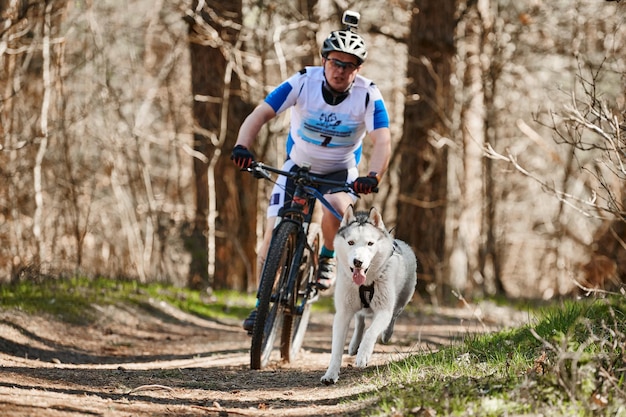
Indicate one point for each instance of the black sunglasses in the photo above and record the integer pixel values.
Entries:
(341, 64)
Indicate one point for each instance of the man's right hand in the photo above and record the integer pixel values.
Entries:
(242, 157)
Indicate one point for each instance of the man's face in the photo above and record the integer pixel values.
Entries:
(341, 70)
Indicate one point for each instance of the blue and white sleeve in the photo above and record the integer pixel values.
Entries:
(377, 116)
(286, 94)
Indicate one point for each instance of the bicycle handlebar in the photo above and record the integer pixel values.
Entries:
(303, 176)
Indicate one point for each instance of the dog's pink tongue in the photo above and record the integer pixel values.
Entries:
(358, 276)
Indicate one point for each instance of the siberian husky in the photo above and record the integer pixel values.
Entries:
(376, 278)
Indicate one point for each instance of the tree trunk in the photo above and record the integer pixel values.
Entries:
(204, 68)
(217, 110)
(423, 165)
(208, 66)
(30, 66)
(236, 203)
(466, 195)
(491, 75)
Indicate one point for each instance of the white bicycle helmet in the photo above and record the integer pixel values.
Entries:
(346, 40)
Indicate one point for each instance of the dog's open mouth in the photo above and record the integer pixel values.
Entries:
(358, 275)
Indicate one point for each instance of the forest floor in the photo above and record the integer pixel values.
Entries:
(159, 361)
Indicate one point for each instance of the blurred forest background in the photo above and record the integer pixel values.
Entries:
(117, 120)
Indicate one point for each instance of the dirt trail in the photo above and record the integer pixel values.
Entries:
(163, 362)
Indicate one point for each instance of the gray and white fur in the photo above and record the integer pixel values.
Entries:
(376, 279)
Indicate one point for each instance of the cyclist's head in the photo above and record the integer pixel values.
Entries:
(346, 40)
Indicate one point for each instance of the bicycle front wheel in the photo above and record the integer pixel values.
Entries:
(304, 294)
(273, 293)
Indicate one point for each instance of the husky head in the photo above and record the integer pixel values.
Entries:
(362, 242)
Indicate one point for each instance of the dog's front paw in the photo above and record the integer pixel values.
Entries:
(361, 360)
(330, 378)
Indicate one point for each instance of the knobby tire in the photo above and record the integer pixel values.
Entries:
(296, 322)
(270, 311)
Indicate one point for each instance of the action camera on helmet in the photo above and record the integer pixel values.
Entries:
(351, 19)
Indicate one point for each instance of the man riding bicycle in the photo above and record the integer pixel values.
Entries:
(333, 107)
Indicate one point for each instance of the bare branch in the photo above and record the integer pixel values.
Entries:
(584, 206)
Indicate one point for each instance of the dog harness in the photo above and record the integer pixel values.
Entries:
(366, 292)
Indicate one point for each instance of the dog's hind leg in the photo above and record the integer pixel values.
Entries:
(386, 336)
(357, 336)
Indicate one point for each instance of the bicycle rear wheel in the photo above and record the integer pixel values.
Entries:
(272, 293)
(304, 294)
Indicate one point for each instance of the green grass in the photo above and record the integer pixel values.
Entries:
(571, 361)
(72, 300)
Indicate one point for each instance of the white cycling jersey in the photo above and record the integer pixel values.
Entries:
(327, 136)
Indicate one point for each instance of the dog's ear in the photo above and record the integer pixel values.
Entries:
(348, 216)
(376, 219)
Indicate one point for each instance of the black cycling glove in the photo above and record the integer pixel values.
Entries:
(366, 185)
(242, 157)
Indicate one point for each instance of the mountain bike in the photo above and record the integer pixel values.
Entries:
(288, 284)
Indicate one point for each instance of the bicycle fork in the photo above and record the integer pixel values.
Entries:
(310, 293)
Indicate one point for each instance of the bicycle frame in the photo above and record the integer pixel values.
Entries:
(289, 301)
(300, 210)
